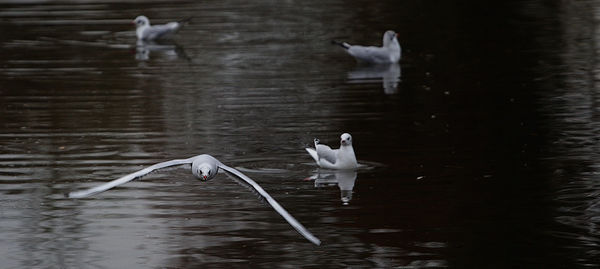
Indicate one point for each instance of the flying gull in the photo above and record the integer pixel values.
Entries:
(204, 167)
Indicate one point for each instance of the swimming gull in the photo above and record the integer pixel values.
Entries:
(390, 52)
(145, 31)
(342, 158)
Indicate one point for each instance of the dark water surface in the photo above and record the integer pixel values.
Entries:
(480, 147)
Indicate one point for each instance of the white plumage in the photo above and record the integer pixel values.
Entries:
(342, 158)
(390, 52)
(145, 31)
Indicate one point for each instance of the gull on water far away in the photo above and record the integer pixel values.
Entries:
(342, 158)
(204, 167)
(390, 52)
(145, 31)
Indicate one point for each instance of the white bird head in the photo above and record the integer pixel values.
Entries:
(141, 21)
(389, 38)
(205, 172)
(390, 42)
(346, 139)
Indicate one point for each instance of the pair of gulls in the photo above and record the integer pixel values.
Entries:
(205, 167)
(389, 53)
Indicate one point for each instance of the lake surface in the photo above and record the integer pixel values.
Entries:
(479, 148)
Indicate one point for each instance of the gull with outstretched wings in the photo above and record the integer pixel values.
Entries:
(204, 167)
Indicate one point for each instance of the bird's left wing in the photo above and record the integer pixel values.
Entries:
(291, 220)
(370, 54)
(160, 31)
(127, 178)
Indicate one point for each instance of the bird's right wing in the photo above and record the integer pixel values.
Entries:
(291, 220)
(127, 178)
(325, 153)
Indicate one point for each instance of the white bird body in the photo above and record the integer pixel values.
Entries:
(145, 31)
(390, 52)
(204, 167)
(342, 158)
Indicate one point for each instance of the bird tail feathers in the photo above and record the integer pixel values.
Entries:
(341, 44)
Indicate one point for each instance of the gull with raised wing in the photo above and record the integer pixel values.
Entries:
(390, 52)
(204, 167)
(145, 31)
(342, 158)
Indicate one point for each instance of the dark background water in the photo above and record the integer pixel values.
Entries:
(481, 155)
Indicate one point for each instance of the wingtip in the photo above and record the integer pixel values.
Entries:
(310, 237)
(79, 194)
(72, 195)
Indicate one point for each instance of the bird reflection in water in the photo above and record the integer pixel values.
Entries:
(388, 74)
(344, 179)
(167, 48)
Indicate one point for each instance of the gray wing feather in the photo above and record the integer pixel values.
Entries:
(127, 178)
(370, 54)
(159, 31)
(291, 220)
(325, 152)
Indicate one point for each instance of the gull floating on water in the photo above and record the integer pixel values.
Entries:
(390, 52)
(342, 158)
(204, 167)
(145, 31)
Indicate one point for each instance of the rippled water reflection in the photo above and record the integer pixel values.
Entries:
(480, 144)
